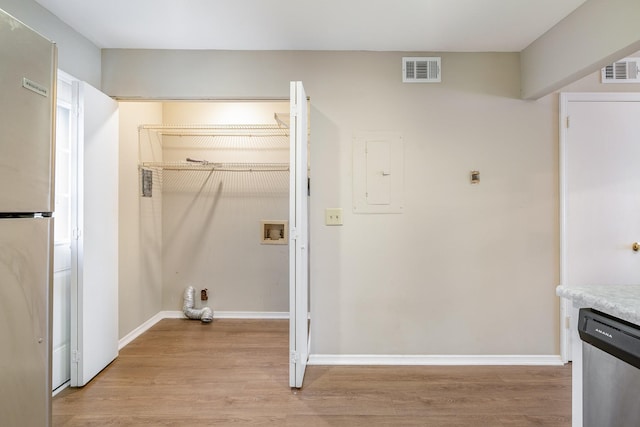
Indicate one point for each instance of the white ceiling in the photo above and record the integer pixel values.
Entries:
(382, 25)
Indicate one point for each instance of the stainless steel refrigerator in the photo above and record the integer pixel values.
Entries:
(27, 109)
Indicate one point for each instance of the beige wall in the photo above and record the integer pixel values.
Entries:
(211, 221)
(140, 239)
(466, 269)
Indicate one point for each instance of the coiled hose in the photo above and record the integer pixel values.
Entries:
(205, 313)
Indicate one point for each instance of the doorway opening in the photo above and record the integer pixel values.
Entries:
(218, 170)
(211, 175)
(172, 239)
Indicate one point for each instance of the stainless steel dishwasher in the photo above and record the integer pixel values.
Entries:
(611, 370)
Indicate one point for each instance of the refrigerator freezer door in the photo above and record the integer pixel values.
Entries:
(27, 84)
(25, 285)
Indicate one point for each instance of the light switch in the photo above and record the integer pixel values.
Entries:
(333, 216)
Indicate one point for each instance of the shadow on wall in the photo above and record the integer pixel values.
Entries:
(325, 243)
(198, 220)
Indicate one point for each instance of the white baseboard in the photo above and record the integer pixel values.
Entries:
(170, 314)
(251, 315)
(140, 330)
(60, 388)
(233, 315)
(177, 314)
(362, 359)
(413, 360)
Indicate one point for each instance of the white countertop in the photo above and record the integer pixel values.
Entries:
(622, 301)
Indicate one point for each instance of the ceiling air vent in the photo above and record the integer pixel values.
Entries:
(421, 70)
(623, 71)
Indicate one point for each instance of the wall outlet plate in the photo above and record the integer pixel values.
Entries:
(333, 216)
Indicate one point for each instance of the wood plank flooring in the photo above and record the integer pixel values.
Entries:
(235, 372)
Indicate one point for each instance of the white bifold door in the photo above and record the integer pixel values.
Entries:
(299, 321)
(94, 287)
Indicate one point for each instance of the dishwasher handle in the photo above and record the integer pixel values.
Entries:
(615, 336)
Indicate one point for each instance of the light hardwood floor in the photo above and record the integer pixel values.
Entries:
(235, 372)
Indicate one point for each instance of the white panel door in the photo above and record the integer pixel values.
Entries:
(602, 194)
(94, 312)
(299, 322)
(65, 176)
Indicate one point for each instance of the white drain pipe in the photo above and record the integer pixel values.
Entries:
(205, 313)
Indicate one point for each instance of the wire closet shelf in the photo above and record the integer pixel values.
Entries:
(217, 138)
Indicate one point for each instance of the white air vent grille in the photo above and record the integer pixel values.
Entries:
(421, 70)
(624, 71)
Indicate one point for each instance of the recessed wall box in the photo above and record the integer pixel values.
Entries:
(147, 183)
(475, 177)
(274, 232)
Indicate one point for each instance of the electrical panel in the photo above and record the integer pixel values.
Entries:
(378, 173)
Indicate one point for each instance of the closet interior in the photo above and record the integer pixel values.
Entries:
(214, 204)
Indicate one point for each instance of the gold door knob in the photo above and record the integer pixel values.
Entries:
(635, 246)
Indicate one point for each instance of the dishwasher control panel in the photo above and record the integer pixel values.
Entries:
(610, 334)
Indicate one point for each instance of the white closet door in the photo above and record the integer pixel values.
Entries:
(94, 306)
(299, 322)
(65, 173)
(602, 183)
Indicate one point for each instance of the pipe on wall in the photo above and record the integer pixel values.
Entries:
(205, 313)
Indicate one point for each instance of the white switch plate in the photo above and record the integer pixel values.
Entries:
(333, 216)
